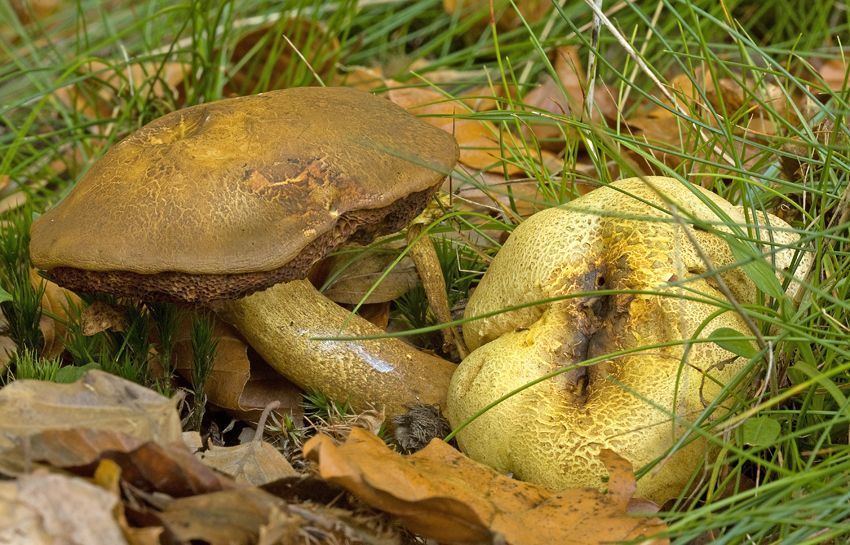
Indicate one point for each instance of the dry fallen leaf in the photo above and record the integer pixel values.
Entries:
(13, 201)
(164, 468)
(549, 97)
(97, 94)
(750, 107)
(52, 509)
(361, 77)
(236, 383)
(445, 496)
(7, 350)
(241, 516)
(98, 401)
(35, 10)
(255, 462)
(107, 475)
(57, 306)
(478, 139)
(834, 74)
(351, 276)
(504, 13)
(377, 314)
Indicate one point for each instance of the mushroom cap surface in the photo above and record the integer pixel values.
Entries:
(218, 200)
(618, 237)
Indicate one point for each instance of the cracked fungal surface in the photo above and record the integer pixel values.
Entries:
(207, 200)
(552, 433)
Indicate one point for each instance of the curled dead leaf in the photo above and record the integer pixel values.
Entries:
(236, 383)
(57, 306)
(98, 401)
(443, 495)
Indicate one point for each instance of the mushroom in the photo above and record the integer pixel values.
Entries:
(214, 202)
(619, 237)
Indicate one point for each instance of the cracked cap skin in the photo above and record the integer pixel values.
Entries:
(219, 200)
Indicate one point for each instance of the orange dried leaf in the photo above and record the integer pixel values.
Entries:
(834, 74)
(98, 93)
(443, 495)
(376, 313)
(479, 140)
(363, 78)
(57, 306)
(505, 14)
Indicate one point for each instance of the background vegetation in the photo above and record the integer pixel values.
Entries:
(77, 77)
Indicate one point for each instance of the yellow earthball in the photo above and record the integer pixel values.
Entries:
(619, 237)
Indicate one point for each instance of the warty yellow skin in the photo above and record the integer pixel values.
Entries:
(552, 433)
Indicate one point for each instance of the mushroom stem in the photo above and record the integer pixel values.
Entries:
(282, 322)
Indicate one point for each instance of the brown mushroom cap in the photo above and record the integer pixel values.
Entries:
(219, 200)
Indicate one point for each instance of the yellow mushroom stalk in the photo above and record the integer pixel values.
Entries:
(280, 324)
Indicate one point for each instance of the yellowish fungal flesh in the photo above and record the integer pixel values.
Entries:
(620, 237)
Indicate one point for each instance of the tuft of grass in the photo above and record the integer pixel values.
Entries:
(204, 345)
(21, 301)
(165, 318)
(28, 365)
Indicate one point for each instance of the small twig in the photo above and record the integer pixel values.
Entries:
(300, 56)
(424, 256)
(261, 423)
(592, 63)
(529, 65)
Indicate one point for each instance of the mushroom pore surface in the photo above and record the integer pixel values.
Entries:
(619, 237)
(222, 199)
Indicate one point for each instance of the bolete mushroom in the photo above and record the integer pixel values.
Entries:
(217, 201)
(619, 237)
